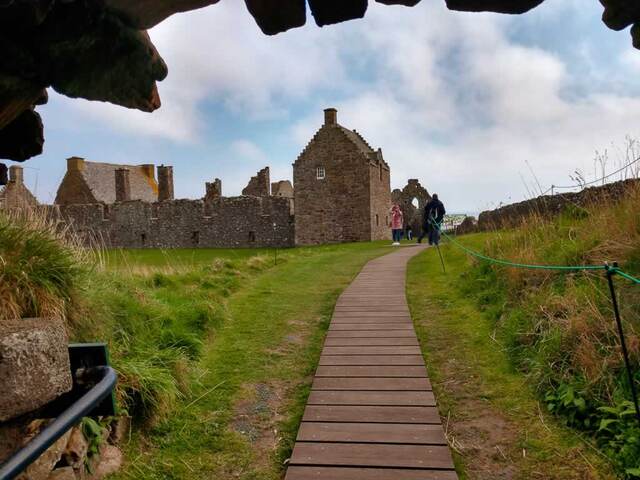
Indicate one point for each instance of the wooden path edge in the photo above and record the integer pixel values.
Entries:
(371, 413)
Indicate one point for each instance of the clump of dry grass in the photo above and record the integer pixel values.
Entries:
(42, 265)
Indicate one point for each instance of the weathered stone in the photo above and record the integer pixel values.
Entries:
(165, 183)
(548, 206)
(16, 195)
(106, 61)
(213, 190)
(412, 193)
(63, 473)
(34, 364)
(619, 14)
(11, 435)
(42, 467)
(23, 138)
(259, 185)
(144, 14)
(110, 462)
(468, 225)
(406, 3)
(342, 190)
(635, 35)
(499, 6)
(276, 16)
(75, 452)
(327, 12)
(119, 430)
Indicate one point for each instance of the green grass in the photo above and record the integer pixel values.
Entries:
(217, 350)
(493, 417)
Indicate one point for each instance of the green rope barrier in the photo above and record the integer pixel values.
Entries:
(509, 263)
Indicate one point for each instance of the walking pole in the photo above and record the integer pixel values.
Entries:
(623, 345)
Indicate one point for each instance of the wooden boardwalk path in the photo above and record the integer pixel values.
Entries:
(371, 414)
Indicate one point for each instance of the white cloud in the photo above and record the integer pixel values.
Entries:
(449, 97)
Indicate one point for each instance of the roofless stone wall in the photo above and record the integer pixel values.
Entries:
(222, 222)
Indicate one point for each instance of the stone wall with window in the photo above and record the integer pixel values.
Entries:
(340, 185)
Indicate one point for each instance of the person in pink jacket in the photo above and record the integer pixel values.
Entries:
(397, 223)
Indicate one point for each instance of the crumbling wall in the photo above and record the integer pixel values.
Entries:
(222, 222)
(259, 185)
(552, 205)
(405, 197)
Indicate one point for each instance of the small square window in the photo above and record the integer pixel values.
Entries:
(320, 173)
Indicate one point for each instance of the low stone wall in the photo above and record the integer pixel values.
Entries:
(221, 222)
(552, 205)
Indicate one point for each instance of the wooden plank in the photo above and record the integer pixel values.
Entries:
(372, 320)
(327, 360)
(403, 371)
(372, 455)
(371, 326)
(353, 383)
(371, 334)
(365, 314)
(370, 414)
(418, 434)
(333, 473)
(348, 397)
(375, 350)
(363, 342)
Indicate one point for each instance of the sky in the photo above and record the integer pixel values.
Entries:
(484, 109)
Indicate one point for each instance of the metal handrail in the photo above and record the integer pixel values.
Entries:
(67, 419)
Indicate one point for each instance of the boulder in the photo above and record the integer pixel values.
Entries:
(41, 469)
(327, 12)
(276, 16)
(499, 6)
(64, 473)
(110, 462)
(76, 451)
(34, 364)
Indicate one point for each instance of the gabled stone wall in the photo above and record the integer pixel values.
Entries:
(336, 208)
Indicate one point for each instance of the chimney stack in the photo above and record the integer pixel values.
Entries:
(330, 116)
(16, 175)
(165, 183)
(213, 190)
(123, 187)
(75, 163)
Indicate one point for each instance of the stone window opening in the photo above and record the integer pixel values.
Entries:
(252, 236)
(105, 212)
(195, 238)
(377, 220)
(415, 202)
(143, 238)
(380, 172)
(320, 173)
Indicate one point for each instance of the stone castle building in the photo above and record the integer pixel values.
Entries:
(341, 188)
(341, 193)
(15, 195)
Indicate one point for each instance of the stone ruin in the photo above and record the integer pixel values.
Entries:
(412, 199)
(124, 206)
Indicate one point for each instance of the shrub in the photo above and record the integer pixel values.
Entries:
(42, 266)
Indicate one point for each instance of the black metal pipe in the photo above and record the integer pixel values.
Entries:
(623, 343)
(71, 416)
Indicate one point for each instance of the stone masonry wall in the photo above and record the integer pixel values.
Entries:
(222, 222)
(259, 185)
(380, 188)
(551, 205)
(335, 209)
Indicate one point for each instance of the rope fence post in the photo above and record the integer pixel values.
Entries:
(634, 394)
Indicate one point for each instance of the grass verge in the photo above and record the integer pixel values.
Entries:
(494, 421)
(244, 392)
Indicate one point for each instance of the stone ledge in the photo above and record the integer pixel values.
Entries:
(34, 364)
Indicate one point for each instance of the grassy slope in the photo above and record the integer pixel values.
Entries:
(248, 390)
(494, 419)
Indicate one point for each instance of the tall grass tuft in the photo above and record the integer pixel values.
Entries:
(42, 266)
